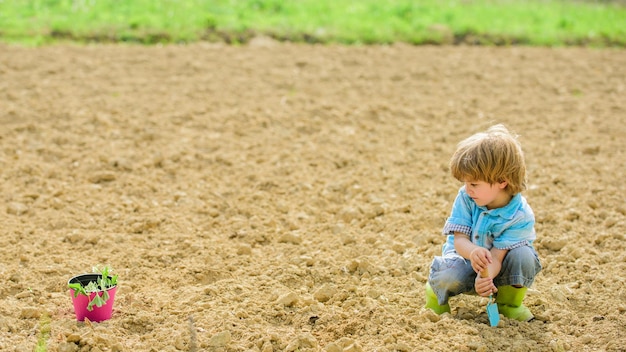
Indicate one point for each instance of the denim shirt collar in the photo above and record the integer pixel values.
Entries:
(508, 211)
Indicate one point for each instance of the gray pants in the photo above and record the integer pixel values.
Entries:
(452, 274)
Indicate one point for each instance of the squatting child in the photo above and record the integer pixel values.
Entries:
(491, 227)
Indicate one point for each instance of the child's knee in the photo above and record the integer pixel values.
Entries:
(522, 257)
(525, 252)
(450, 274)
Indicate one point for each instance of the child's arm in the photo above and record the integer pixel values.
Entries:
(481, 259)
(479, 256)
(484, 286)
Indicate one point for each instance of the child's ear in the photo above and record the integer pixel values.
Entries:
(503, 184)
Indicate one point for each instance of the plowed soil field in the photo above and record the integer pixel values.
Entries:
(283, 197)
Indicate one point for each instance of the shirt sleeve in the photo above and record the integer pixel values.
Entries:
(460, 219)
(450, 229)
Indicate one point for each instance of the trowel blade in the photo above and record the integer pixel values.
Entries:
(492, 312)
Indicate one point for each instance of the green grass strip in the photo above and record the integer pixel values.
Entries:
(532, 22)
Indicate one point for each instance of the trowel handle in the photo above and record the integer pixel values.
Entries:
(484, 273)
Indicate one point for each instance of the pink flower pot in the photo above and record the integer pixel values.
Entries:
(97, 314)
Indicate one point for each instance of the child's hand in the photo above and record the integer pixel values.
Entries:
(480, 258)
(484, 286)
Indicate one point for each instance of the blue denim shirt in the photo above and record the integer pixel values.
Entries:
(508, 227)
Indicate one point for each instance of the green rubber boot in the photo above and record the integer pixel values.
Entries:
(433, 304)
(509, 300)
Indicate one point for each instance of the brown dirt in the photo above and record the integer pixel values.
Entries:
(278, 197)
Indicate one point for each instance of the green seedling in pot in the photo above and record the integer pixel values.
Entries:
(104, 282)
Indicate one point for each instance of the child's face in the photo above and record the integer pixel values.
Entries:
(488, 195)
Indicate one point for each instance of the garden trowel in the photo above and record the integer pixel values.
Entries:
(492, 306)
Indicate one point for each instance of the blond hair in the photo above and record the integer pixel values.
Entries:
(492, 156)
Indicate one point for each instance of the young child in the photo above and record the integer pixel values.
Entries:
(490, 229)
